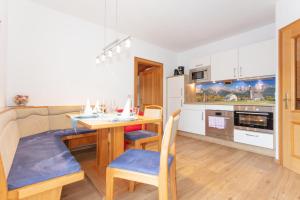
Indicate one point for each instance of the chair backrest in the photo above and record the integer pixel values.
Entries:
(168, 141)
(153, 111)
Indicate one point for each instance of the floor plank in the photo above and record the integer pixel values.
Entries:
(205, 171)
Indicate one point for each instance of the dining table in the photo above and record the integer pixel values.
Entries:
(110, 134)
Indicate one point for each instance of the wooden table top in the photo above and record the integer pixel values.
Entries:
(100, 124)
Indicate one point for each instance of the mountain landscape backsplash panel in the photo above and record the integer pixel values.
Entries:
(258, 90)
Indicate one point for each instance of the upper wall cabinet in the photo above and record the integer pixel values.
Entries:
(224, 65)
(257, 59)
(201, 61)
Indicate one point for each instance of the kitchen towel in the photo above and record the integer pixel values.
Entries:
(216, 122)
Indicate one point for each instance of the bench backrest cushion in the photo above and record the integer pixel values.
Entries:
(9, 138)
(32, 120)
(58, 118)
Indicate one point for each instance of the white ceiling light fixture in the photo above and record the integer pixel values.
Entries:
(108, 49)
(110, 53)
(128, 43)
(103, 57)
(118, 49)
(97, 60)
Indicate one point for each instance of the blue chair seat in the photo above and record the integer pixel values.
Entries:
(141, 161)
(136, 135)
(39, 158)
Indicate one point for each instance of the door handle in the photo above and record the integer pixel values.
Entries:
(202, 116)
(241, 71)
(251, 135)
(286, 101)
(234, 72)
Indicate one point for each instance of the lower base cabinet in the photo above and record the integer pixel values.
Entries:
(254, 138)
(192, 121)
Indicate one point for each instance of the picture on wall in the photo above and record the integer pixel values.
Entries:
(258, 90)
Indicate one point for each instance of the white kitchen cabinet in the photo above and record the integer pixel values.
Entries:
(175, 93)
(175, 87)
(257, 59)
(173, 105)
(192, 121)
(224, 65)
(201, 61)
(254, 138)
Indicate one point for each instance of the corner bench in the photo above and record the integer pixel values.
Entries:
(35, 166)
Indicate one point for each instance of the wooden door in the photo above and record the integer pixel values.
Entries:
(150, 87)
(290, 96)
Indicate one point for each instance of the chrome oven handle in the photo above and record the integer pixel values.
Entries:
(252, 113)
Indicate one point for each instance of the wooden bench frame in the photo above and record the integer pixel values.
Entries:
(45, 190)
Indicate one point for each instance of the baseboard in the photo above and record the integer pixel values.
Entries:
(245, 147)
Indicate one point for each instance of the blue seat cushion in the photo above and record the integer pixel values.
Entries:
(72, 131)
(141, 161)
(39, 158)
(136, 135)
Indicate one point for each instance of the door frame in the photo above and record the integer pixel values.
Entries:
(280, 95)
(137, 62)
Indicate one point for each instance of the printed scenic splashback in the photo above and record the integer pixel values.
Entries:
(260, 90)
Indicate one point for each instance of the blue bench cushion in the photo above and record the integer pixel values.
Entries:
(40, 157)
(72, 131)
(136, 135)
(141, 161)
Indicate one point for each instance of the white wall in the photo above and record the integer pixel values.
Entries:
(287, 11)
(51, 58)
(3, 48)
(189, 58)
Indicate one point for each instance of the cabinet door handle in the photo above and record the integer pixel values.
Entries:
(202, 116)
(241, 71)
(234, 72)
(181, 92)
(251, 135)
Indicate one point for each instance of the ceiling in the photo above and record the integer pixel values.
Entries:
(177, 25)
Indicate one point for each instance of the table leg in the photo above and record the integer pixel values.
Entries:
(116, 147)
(102, 148)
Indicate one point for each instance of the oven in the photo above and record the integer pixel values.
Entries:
(254, 118)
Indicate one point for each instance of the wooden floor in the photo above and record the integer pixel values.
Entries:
(204, 171)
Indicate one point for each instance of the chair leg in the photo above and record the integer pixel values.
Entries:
(173, 181)
(109, 184)
(131, 186)
(163, 191)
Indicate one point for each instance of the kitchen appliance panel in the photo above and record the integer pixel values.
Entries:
(200, 74)
(219, 130)
(254, 118)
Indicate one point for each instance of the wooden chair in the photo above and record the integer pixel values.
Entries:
(149, 167)
(140, 138)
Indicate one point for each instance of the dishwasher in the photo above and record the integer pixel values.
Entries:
(219, 124)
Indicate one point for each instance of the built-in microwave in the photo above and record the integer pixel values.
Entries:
(200, 74)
